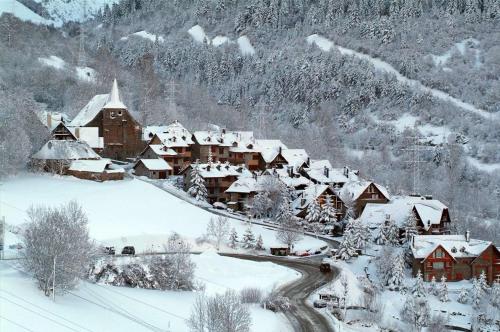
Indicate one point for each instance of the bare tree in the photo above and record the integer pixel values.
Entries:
(222, 312)
(218, 229)
(57, 246)
(289, 232)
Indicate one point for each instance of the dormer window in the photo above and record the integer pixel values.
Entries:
(183, 138)
(119, 113)
(462, 249)
(112, 115)
(453, 250)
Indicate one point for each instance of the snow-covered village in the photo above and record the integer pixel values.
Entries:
(237, 166)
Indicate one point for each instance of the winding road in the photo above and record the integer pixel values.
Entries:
(302, 316)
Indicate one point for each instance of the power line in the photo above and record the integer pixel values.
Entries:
(17, 324)
(39, 314)
(48, 311)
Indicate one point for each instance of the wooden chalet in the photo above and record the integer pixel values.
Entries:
(362, 192)
(271, 154)
(318, 193)
(96, 170)
(432, 216)
(242, 191)
(457, 257)
(153, 168)
(120, 132)
(61, 132)
(218, 178)
(322, 172)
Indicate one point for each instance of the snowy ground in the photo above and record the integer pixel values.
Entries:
(128, 212)
(119, 308)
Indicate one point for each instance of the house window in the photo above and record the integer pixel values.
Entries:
(112, 115)
(371, 189)
(438, 265)
(438, 254)
(221, 150)
(374, 196)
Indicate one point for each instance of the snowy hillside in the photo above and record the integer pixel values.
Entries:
(129, 212)
(22, 12)
(119, 309)
(73, 10)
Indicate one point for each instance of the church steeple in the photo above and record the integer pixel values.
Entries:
(114, 101)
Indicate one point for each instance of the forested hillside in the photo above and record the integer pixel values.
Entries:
(249, 65)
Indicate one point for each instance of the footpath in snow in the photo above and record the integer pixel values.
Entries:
(326, 45)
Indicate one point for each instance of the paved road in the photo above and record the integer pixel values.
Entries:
(302, 316)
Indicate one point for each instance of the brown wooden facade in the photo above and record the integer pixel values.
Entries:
(440, 262)
(141, 170)
(442, 228)
(370, 195)
(336, 202)
(96, 176)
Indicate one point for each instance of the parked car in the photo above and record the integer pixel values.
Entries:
(128, 250)
(319, 304)
(303, 254)
(325, 268)
(109, 250)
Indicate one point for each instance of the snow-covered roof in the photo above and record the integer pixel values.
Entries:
(239, 140)
(54, 118)
(456, 245)
(221, 170)
(398, 209)
(323, 172)
(94, 166)
(90, 111)
(354, 189)
(295, 180)
(65, 150)
(156, 164)
(295, 157)
(114, 101)
(430, 212)
(247, 185)
(162, 150)
(311, 192)
(89, 135)
(173, 135)
(269, 148)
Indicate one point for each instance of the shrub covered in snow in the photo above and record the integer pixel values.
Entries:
(251, 295)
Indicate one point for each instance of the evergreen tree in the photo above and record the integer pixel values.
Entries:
(328, 211)
(388, 233)
(483, 283)
(197, 187)
(463, 297)
(433, 286)
(233, 238)
(397, 276)
(410, 227)
(248, 239)
(443, 290)
(476, 293)
(418, 289)
(284, 212)
(260, 243)
(495, 294)
(360, 233)
(313, 212)
(347, 248)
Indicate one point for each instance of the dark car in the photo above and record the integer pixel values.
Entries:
(109, 250)
(128, 250)
(319, 304)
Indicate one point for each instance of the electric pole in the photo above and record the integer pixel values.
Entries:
(81, 50)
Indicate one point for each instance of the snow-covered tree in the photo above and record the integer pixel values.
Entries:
(57, 247)
(416, 311)
(197, 187)
(482, 281)
(284, 211)
(359, 232)
(347, 247)
(495, 294)
(397, 274)
(328, 211)
(388, 233)
(443, 290)
(233, 238)
(476, 293)
(313, 212)
(218, 228)
(316, 228)
(463, 297)
(261, 205)
(418, 289)
(433, 289)
(248, 239)
(259, 245)
(410, 227)
(289, 232)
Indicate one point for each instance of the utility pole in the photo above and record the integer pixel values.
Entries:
(54, 280)
(261, 121)
(81, 51)
(415, 161)
(171, 96)
(2, 237)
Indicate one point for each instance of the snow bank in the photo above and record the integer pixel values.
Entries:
(246, 47)
(326, 45)
(220, 40)
(25, 305)
(22, 12)
(145, 35)
(198, 34)
(128, 212)
(53, 61)
(86, 74)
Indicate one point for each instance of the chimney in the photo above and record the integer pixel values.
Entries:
(279, 149)
(428, 197)
(223, 130)
(346, 172)
(49, 120)
(77, 132)
(308, 161)
(290, 171)
(467, 236)
(208, 168)
(326, 171)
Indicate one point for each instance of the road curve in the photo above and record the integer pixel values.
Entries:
(302, 316)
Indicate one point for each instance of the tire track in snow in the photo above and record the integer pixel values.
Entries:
(326, 45)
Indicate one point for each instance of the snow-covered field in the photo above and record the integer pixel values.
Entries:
(94, 307)
(127, 212)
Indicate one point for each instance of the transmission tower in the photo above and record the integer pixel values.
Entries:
(261, 118)
(415, 149)
(81, 50)
(171, 96)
